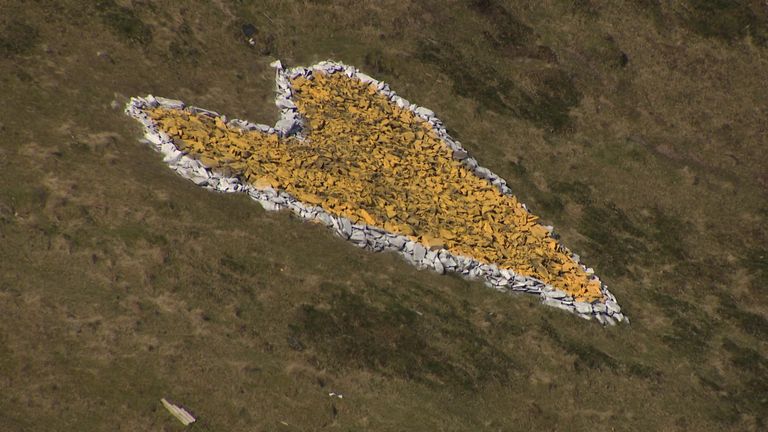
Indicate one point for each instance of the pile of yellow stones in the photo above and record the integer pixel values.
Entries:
(364, 158)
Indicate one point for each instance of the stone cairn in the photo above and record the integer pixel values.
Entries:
(606, 312)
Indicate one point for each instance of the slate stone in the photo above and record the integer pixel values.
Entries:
(424, 112)
(365, 78)
(483, 173)
(346, 227)
(419, 252)
(460, 154)
(358, 236)
(612, 307)
(558, 304)
(325, 218)
(170, 103)
(439, 266)
(397, 242)
(583, 307)
(555, 294)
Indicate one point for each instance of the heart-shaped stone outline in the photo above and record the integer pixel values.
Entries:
(369, 237)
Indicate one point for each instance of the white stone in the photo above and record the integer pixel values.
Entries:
(555, 294)
(396, 241)
(583, 307)
(170, 103)
(558, 304)
(612, 307)
(424, 112)
(419, 252)
(439, 266)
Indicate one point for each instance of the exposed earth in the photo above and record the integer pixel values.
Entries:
(636, 128)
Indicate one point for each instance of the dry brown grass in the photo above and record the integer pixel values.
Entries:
(636, 129)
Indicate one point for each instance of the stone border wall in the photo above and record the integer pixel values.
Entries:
(364, 236)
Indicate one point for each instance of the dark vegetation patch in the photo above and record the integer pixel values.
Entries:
(750, 396)
(552, 94)
(16, 37)
(124, 22)
(614, 238)
(183, 48)
(606, 51)
(751, 323)
(575, 190)
(352, 332)
(588, 357)
(378, 63)
(728, 20)
(618, 240)
(622, 240)
(264, 42)
(653, 10)
(505, 31)
(133, 233)
(691, 330)
(755, 261)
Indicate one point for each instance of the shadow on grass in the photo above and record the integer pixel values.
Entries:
(351, 332)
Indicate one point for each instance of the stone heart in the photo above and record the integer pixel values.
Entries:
(350, 148)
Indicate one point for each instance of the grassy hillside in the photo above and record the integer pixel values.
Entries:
(636, 128)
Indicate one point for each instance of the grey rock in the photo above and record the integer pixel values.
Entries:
(612, 307)
(285, 103)
(431, 255)
(365, 78)
(397, 242)
(599, 307)
(170, 103)
(460, 154)
(358, 236)
(558, 304)
(555, 294)
(483, 173)
(583, 307)
(288, 126)
(197, 110)
(346, 227)
(325, 218)
(269, 205)
(439, 266)
(448, 261)
(424, 112)
(419, 252)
